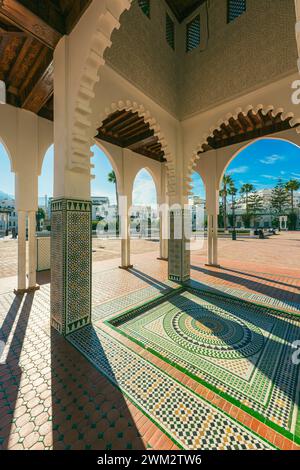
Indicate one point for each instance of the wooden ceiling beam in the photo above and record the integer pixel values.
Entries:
(20, 16)
(40, 92)
(141, 143)
(128, 124)
(113, 119)
(24, 51)
(134, 131)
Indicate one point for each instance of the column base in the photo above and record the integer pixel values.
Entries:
(27, 291)
(211, 265)
(130, 266)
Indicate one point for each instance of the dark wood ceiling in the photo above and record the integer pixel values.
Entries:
(128, 130)
(183, 8)
(29, 33)
(246, 127)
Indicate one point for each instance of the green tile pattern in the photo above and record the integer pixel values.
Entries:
(189, 420)
(238, 348)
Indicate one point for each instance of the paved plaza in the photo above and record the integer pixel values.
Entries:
(208, 366)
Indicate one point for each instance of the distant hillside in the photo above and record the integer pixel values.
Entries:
(4, 195)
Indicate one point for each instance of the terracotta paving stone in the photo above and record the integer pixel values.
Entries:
(51, 388)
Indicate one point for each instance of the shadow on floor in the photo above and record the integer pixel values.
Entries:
(88, 411)
(10, 371)
(256, 286)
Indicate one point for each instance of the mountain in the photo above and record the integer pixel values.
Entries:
(4, 195)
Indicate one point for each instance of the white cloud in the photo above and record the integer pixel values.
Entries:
(144, 192)
(238, 170)
(271, 159)
(270, 177)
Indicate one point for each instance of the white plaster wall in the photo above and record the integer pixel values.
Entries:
(255, 49)
(26, 137)
(128, 164)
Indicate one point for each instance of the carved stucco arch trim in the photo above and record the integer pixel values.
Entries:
(83, 129)
(135, 107)
(259, 108)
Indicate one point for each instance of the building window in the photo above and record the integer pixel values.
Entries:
(145, 7)
(170, 31)
(193, 34)
(235, 8)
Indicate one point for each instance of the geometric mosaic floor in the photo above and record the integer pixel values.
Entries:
(186, 418)
(52, 395)
(238, 349)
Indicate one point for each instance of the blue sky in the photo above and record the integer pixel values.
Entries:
(260, 164)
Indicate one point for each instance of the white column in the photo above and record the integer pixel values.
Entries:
(21, 251)
(163, 232)
(209, 239)
(125, 204)
(215, 240)
(32, 249)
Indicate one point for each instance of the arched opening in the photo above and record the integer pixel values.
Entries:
(8, 217)
(197, 207)
(45, 191)
(260, 199)
(144, 216)
(43, 217)
(105, 188)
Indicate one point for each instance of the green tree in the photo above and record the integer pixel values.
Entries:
(111, 178)
(280, 198)
(40, 215)
(292, 186)
(232, 191)
(245, 191)
(226, 183)
(255, 205)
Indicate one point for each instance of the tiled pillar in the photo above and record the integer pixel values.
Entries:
(179, 254)
(32, 250)
(21, 252)
(71, 264)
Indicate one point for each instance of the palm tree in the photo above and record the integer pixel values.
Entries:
(232, 191)
(291, 186)
(226, 183)
(111, 178)
(40, 215)
(245, 190)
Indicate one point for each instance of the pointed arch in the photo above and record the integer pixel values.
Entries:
(294, 122)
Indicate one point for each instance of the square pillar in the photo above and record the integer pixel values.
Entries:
(32, 249)
(71, 264)
(21, 252)
(179, 254)
(124, 220)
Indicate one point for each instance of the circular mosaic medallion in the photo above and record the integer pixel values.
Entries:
(211, 331)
